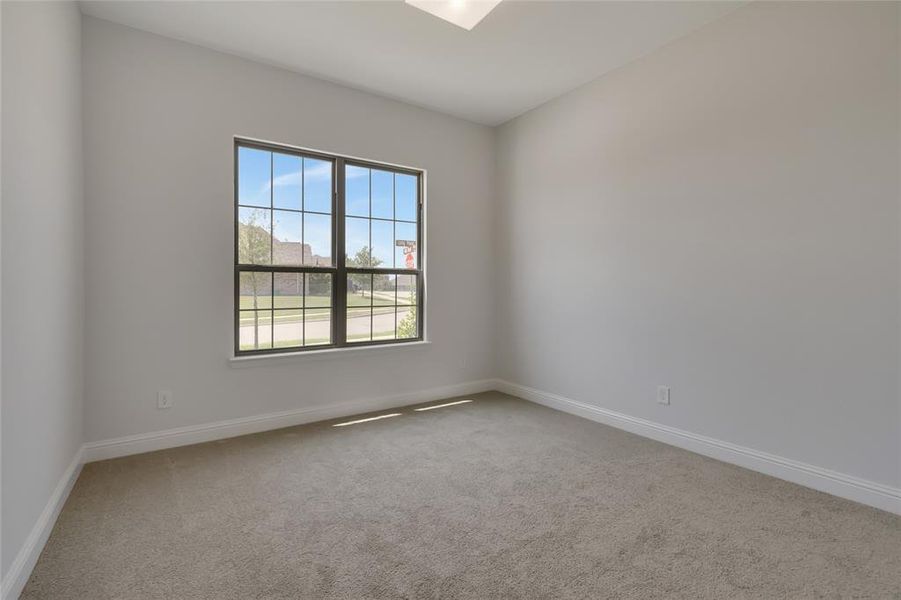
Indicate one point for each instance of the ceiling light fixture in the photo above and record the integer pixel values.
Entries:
(462, 13)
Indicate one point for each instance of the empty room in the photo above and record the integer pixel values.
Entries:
(450, 299)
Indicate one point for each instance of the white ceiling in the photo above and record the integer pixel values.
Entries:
(521, 55)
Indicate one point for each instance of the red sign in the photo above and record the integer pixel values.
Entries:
(409, 247)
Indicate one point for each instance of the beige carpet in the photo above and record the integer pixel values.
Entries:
(497, 498)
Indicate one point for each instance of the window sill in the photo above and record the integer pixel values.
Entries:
(265, 360)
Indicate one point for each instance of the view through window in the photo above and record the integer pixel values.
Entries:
(294, 288)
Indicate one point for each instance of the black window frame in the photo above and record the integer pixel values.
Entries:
(339, 269)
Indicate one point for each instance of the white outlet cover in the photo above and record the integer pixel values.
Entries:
(164, 399)
(662, 394)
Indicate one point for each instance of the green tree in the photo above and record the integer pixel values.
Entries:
(363, 258)
(407, 327)
(254, 246)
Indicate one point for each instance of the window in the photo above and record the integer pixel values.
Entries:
(328, 251)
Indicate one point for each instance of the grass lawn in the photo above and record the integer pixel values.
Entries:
(288, 316)
(353, 299)
(289, 344)
(263, 302)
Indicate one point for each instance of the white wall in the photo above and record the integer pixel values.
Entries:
(42, 266)
(722, 217)
(159, 120)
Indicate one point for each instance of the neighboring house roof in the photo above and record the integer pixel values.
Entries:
(286, 253)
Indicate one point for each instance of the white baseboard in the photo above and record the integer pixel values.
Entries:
(195, 434)
(838, 484)
(21, 567)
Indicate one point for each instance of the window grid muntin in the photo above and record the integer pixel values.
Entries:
(369, 217)
(273, 150)
(273, 309)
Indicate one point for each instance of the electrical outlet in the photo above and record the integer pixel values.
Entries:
(662, 394)
(164, 399)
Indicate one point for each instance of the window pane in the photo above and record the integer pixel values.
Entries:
(356, 242)
(254, 240)
(359, 311)
(317, 237)
(254, 169)
(286, 181)
(255, 290)
(383, 323)
(405, 197)
(382, 244)
(317, 326)
(359, 324)
(359, 289)
(405, 251)
(382, 194)
(288, 290)
(407, 326)
(317, 185)
(287, 246)
(319, 290)
(288, 328)
(383, 290)
(356, 191)
(255, 329)
(406, 289)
